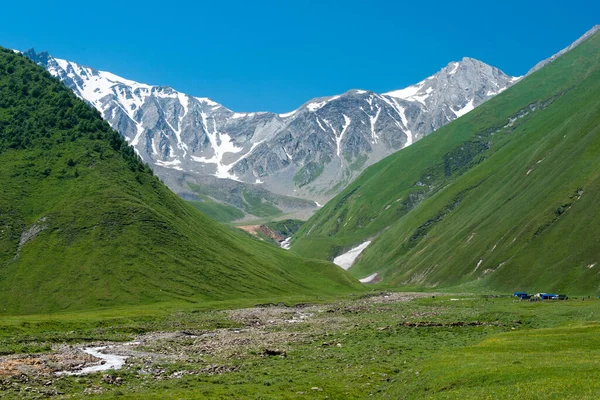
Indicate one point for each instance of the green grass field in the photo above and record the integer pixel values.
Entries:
(447, 347)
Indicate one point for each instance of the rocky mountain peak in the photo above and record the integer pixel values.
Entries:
(312, 152)
(39, 58)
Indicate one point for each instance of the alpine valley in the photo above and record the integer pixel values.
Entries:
(506, 196)
(263, 163)
(446, 206)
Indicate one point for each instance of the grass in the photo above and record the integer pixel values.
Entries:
(536, 363)
(359, 348)
(256, 206)
(485, 201)
(308, 173)
(219, 212)
(85, 225)
(226, 199)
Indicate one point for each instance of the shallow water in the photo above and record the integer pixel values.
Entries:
(108, 361)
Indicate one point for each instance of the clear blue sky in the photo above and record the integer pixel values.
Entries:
(275, 55)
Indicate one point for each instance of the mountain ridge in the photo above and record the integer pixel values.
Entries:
(576, 43)
(311, 152)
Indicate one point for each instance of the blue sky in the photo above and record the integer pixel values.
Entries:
(275, 55)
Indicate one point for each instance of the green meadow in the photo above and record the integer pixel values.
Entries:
(387, 345)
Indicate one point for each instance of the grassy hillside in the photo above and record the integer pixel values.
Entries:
(237, 199)
(217, 211)
(286, 227)
(505, 197)
(85, 224)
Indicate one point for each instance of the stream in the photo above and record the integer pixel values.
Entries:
(107, 361)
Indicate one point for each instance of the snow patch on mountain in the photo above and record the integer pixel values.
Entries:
(369, 278)
(288, 114)
(338, 139)
(454, 67)
(468, 107)
(347, 259)
(175, 164)
(406, 93)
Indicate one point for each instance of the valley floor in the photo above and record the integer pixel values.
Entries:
(385, 345)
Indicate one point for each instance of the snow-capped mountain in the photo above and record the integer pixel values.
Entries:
(311, 152)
